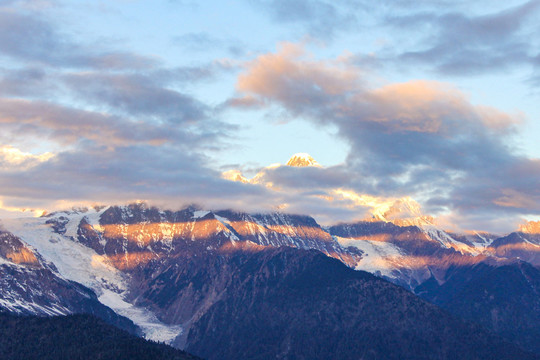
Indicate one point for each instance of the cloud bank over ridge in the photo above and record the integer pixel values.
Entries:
(85, 120)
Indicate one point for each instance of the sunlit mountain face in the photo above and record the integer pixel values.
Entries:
(302, 160)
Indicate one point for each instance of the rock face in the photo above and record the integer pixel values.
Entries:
(148, 233)
(13, 250)
(405, 255)
(524, 245)
(402, 212)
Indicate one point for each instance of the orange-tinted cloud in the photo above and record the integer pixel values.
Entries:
(290, 76)
(418, 138)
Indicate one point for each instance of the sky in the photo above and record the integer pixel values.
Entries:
(108, 102)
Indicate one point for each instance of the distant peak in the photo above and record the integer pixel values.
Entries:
(302, 160)
(531, 227)
(234, 175)
(403, 212)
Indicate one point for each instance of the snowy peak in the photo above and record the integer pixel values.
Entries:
(302, 160)
(403, 212)
(262, 178)
(235, 175)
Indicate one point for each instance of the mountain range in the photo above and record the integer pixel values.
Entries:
(235, 285)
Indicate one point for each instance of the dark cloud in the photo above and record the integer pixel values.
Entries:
(137, 95)
(449, 37)
(308, 178)
(67, 125)
(458, 43)
(25, 82)
(31, 38)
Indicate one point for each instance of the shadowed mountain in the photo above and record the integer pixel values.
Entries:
(82, 337)
(505, 299)
(296, 304)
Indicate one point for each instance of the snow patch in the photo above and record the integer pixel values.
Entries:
(81, 264)
(227, 223)
(73, 260)
(449, 242)
(200, 213)
(378, 256)
(153, 328)
(20, 306)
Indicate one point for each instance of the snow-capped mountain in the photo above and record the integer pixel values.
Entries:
(401, 243)
(32, 285)
(297, 160)
(56, 239)
(302, 160)
(103, 248)
(402, 212)
(523, 244)
(133, 259)
(531, 227)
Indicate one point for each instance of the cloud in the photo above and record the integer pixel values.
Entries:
(419, 138)
(321, 19)
(12, 157)
(325, 192)
(34, 5)
(160, 174)
(305, 178)
(454, 38)
(30, 81)
(31, 38)
(124, 126)
(137, 95)
(203, 42)
(299, 83)
(67, 125)
(461, 43)
(81, 123)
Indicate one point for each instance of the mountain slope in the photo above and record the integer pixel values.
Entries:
(294, 304)
(75, 337)
(406, 255)
(30, 286)
(524, 245)
(503, 298)
(169, 270)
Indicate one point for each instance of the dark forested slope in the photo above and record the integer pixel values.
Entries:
(78, 337)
